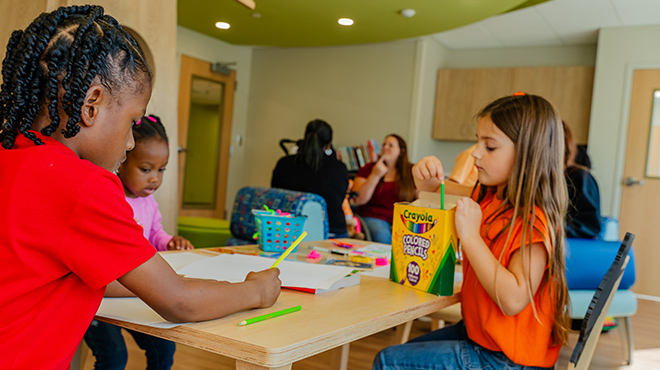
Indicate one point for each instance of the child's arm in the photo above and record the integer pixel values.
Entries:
(115, 289)
(182, 300)
(428, 174)
(511, 284)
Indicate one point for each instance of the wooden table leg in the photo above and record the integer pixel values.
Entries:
(402, 333)
(242, 365)
(340, 357)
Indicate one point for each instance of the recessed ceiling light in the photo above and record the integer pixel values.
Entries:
(222, 25)
(345, 21)
(408, 13)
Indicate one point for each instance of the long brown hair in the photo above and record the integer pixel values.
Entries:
(404, 179)
(536, 179)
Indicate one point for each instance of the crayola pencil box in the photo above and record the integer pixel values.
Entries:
(424, 243)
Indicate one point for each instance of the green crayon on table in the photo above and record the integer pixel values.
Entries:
(442, 195)
(269, 315)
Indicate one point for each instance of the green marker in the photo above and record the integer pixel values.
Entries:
(442, 195)
(269, 315)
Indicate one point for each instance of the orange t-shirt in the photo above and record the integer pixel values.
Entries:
(522, 338)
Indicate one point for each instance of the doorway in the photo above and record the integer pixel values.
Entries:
(640, 193)
(206, 101)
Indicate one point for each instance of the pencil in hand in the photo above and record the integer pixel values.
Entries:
(290, 249)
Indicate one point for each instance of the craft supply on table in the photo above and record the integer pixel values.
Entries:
(269, 315)
(275, 232)
(346, 244)
(313, 255)
(332, 261)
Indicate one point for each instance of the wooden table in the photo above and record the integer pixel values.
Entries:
(327, 321)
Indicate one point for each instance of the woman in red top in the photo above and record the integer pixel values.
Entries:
(381, 184)
(514, 294)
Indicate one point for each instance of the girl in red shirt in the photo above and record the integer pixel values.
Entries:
(514, 294)
(74, 82)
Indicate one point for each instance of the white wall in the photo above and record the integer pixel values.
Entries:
(206, 48)
(362, 91)
(619, 51)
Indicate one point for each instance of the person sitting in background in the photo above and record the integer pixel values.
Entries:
(381, 184)
(315, 169)
(583, 217)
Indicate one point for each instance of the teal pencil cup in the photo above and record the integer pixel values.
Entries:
(277, 232)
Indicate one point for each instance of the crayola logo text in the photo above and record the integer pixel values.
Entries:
(417, 217)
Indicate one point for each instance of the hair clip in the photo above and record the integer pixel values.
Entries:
(150, 118)
(519, 93)
(138, 122)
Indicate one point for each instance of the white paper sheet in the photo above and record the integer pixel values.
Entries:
(183, 259)
(227, 267)
(235, 267)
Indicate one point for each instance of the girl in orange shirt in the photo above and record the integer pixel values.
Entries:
(514, 294)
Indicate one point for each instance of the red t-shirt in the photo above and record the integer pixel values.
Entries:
(381, 204)
(67, 232)
(522, 338)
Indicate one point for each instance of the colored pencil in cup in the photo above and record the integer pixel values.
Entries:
(442, 195)
(290, 249)
(269, 315)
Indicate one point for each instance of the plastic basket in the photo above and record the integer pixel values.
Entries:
(276, 233)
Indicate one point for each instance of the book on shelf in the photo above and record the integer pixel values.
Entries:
(356, 157)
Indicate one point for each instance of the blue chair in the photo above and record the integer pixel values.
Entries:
(242, 224)
(587, 262)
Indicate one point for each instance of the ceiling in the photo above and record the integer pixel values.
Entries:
(556, 22)
(300, 23)
(456, 24)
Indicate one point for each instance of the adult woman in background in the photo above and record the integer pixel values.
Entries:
(381, 184)
(315, 169)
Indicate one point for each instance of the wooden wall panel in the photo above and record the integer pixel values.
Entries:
(461, 93)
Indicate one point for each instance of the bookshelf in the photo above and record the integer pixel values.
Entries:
(356, 157)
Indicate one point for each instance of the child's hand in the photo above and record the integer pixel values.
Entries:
(468, 220)
(268, 285)
(179, 243)
(428, 168)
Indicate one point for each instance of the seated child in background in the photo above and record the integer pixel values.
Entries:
(141, 175)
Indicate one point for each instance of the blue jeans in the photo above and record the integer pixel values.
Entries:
(109, 349)
(381, 230)
(447, 348)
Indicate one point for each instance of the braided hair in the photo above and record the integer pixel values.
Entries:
(65, 50)
(149, 128)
